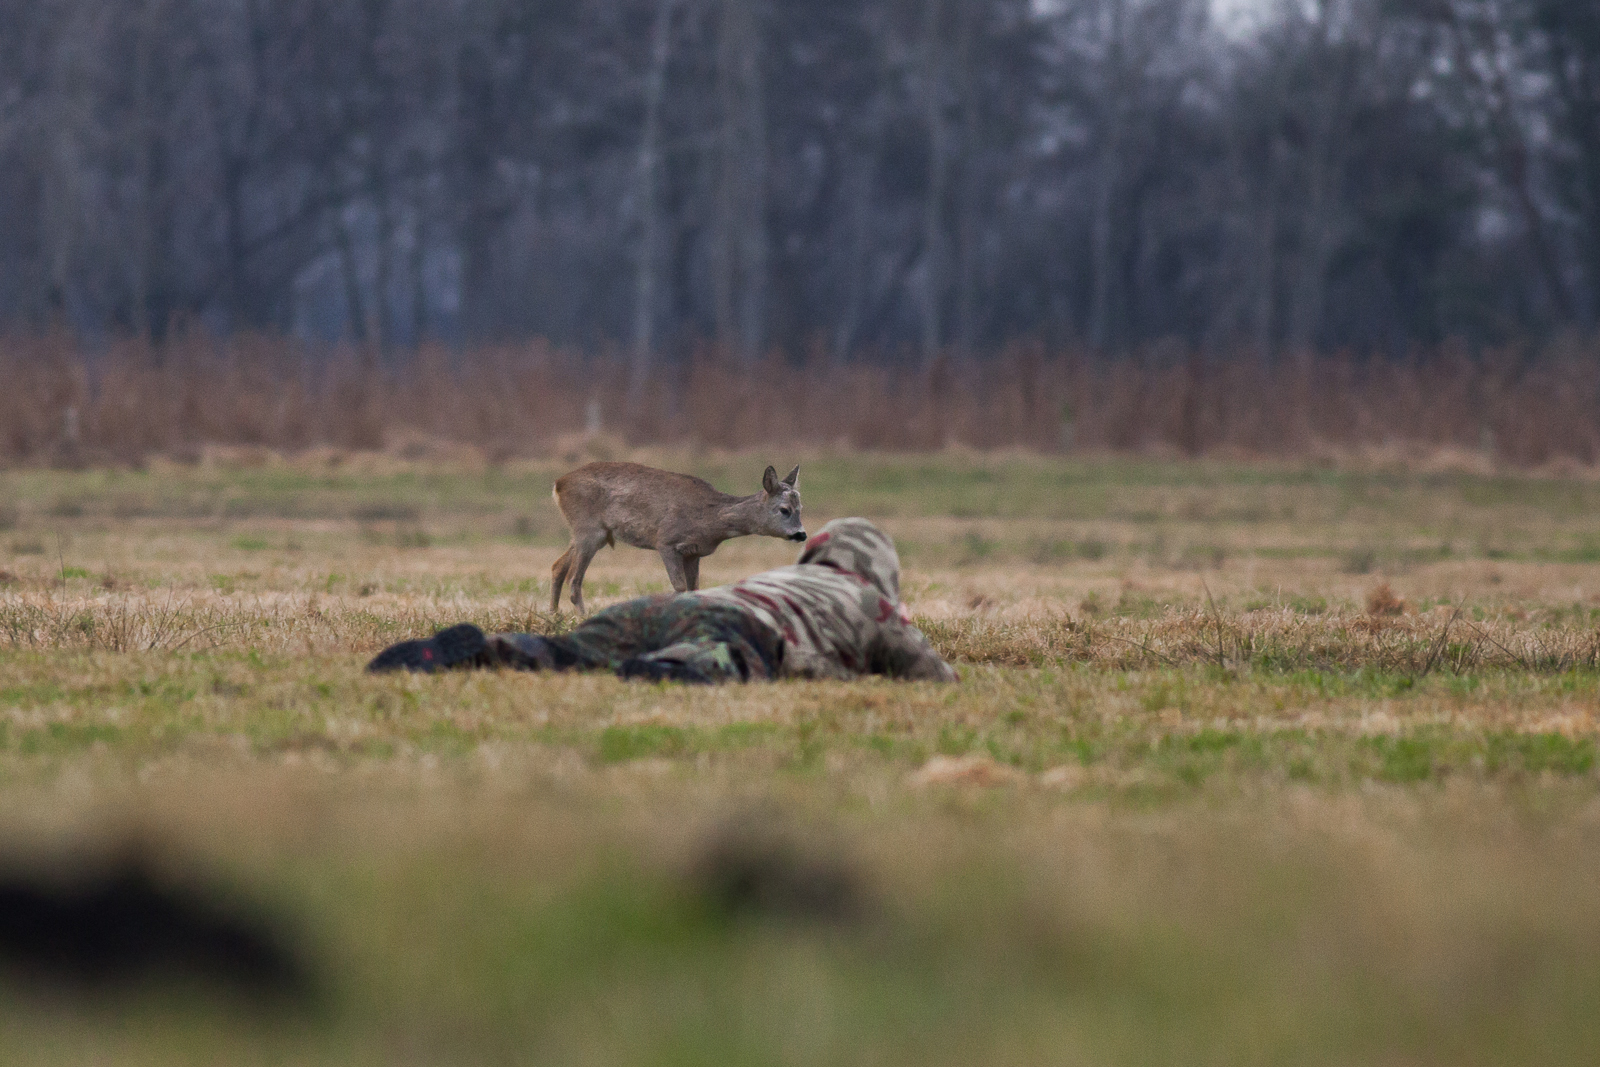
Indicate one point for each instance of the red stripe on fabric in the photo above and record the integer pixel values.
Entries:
(837, 569)
(770, 605)
(815, 543)
(765, 601)
(816, 641)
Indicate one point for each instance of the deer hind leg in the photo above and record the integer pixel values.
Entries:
(691, 572)
(583, 552)
(558, 576)
(676, 567)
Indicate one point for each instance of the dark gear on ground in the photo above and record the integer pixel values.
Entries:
(460, 645)
(661, 638)
(834, 614)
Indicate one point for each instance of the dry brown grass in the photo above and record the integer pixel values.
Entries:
(130, 401)
(1026, 616)
(1191, 800)
(1384, 601)
(1277, 640)
(1273, 641)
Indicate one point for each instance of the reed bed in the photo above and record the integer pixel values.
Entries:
(125, 401)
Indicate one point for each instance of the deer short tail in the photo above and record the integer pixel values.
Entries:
(561, 504)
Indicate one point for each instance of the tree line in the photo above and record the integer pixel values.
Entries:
(830, 177)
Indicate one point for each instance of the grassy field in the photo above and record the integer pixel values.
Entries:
(1247, 764)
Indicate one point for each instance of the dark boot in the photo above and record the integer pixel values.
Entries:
(455, 647)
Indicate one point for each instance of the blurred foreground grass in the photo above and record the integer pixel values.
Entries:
(1203, 794)
(469, 919)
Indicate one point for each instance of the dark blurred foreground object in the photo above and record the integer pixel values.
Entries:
(755, 871)
(100, 930)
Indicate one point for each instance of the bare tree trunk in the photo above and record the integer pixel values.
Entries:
(381, 186)
(479, 131)
(933, 205)
(644, 289)
(1509, 141)
(855, 283)
(143, 133)
(476, 313)
(753, 232)
(381, 316)
(722, 264)
(1322, 164)
(1101, 235)
(67, 117)
(1101, 250)
(355, 306)
(1305, 308)
(1266, 272)
(1589, 152)
(860, 185)
(1575, 57)
(739, 253)
(967, 226)
(415, 267)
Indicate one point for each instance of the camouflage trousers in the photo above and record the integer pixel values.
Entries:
(672, 637)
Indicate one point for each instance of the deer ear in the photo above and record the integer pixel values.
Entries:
(769, 481)
(792, 479)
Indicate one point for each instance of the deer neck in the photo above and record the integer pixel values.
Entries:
(739, 514)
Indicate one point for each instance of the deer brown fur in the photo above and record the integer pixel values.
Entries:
(682, 517)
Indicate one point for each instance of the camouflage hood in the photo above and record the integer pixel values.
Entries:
(838, 610)
(855, 546)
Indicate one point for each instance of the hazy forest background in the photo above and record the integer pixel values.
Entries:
(1289, 754)
(894, 223)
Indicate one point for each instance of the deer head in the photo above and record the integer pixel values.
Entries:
(779, 506)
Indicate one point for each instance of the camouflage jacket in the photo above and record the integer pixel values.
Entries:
(838, 609)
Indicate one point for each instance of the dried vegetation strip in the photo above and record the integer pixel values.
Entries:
(1280, 640)
(131, 401)
(272, 622)
(1445, 639)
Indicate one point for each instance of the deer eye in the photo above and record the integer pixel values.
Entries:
(786, 512)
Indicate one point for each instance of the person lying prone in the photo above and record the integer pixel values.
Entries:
(835, 613)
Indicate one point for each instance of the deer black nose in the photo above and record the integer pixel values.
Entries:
(798, 536)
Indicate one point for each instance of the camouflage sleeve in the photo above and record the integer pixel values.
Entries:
(901, 651)
(798, 663)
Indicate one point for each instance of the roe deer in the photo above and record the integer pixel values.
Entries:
(680, 516)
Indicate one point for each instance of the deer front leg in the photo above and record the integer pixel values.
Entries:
(691, 572)
(675, 567)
